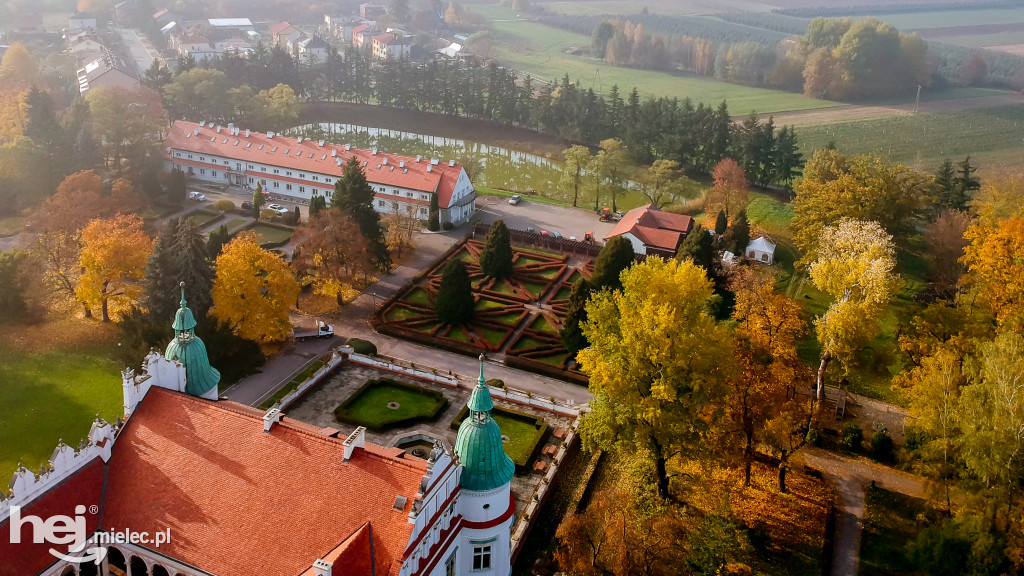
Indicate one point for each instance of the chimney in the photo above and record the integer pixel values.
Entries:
(202, 123)
(334, 153)
(231, 126)
(270, 135)
(348, 147)
(451, 163)
(385, 162)
(218, 129)
(300, 139)
(272, 417)
(374, 151)
(195, 132)
(429, 168)
(246, 132)
(401, 164)
(418, 158)
(321, 143)
(355, 440)
(322, 567)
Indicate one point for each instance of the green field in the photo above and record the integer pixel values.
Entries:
(11, 225)
(990, 134)
(943, 19)
(983, 40)
(271, 235)
(538, 50)
(675, 7)
(49, 396)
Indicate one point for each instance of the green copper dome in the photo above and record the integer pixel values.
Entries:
(479, 446)
(189, 349)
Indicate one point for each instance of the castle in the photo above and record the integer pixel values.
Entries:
(238, 491)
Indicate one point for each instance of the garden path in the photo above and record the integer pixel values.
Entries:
(537, 307)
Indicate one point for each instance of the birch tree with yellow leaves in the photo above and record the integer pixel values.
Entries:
(658, 363)
(253, 290)
(854, 266)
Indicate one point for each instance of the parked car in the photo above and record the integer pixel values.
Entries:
(515, 199)
(246, 205)
(557, 235)
(281, 210)
(197, 196)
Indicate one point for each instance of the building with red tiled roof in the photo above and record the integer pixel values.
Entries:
(212, 487)
(390, 45)
(298, 169)
(652, 231)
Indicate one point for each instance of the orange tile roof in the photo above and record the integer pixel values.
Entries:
(353, 556)
(653, 227)
(240, 501)
(414, 176)
(84, 487)
(279, 27)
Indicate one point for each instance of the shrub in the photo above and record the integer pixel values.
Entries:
(853, 436)
(448, 226)
(496, 383)
(268, 214)
(433, 221)
(882, 445)
(224, 205)
(813, 438)
(455, 294)
(364, 347)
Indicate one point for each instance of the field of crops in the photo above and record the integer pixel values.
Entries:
(601, 7)
(538, 50)
(942, 19)
(995, 136)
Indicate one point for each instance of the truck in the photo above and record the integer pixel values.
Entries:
(321, 330)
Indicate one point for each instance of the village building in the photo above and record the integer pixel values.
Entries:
(369, 11)
(83, 20)
(298, 169)
(362, 37)
(240, 491)
(106, 70)
(653, 232)
(391, 46)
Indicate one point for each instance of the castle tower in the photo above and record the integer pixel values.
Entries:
(201, 379)
(485, 500)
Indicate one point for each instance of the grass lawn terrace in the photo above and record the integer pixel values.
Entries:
(369, 405)
(272, 235)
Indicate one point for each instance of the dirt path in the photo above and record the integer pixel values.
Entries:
(860, 112)
(851, 476)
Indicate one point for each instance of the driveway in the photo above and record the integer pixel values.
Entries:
(528, 214)
(279, 370)
(141, 53)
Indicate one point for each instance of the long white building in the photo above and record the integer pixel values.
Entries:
(298, 169)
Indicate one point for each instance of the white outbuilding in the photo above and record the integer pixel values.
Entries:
(761, 250)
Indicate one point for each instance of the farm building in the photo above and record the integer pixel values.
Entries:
(653, 232)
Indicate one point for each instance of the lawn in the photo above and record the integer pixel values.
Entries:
(52, 395)
(537, 49)
(890, 521)
(368, 406)
(234, 223)
(990, 135)
(483, 191)
(11, 225)
(523, 432)
(272, 235)
(201, 218)
(769, 214)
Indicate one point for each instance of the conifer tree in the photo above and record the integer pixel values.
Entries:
(616, 255)
(496, 257)
(455, 295)
(572, 328)
(697, 247)
(945, 184)
(218, 238)
(721, 223)
(737, 236)
(176, 185)
(354, 196)
(964, 185)
(180, 254)
(257, 199)
(296, 217)
(433, 220)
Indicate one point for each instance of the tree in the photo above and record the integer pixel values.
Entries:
(12, 286)
(218, 238)
(56, 255)
(400, 11)
(258, 199)
(662, 181)
(332, 254)
(698, 247)
(737, 236)
(945, 187)
(129, 123)
(18, 65)
(277, 107)
(44, 130)
(433, 219)
(945, 244)
(296, 217)
(964, 544)
(354, 196)
(455, 304)
(180, 254)
(113, 260)
(317, 204)
(1001, 196)
(401, 227)
(855, 268)
(615, 256)
(730, 192)
(496, 256)
(78, 199)
(577, 159)
(768, 328)
(571, 334)
(995, 269)
(609, 165)
(721, 223)
(965, 184)
(253, 290)
(657, 362)
(176, 185)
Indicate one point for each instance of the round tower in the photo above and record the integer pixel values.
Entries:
(201, 379)
(485, 498)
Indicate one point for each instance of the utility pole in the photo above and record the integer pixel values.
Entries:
(917, 100)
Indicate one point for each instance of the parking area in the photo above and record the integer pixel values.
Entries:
(527, 214)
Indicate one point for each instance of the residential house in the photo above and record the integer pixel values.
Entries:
(107, 70)
(311, 50)
(370, 11)
(280, 32)
(341, 26)
(390, 46)
(653, 232)
(362, 36)
(198, 47)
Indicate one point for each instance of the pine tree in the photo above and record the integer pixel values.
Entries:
(193, 266)
(151, 184)
(616, 255)
(296, 217)
(789, 161)
(433, 220)
(161, 276)
(496, 257)
(964, 185)
(258, 199)
(698, 247)
(737, 236)
(218, 238)
(43, 129)
(945, 185)
(176, 185)
(721, 223)
(354, 196)
(572, 331)
(317, 204)
(455, 294)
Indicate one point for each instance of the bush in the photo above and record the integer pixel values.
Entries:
(813, 438)
(448, 226)
(853, 436)
(224, 205)
(495, 383)
(882, 445)
(959, 545)
(364, 347)
(914, 438)
(268, 214)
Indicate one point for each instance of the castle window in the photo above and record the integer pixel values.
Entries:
(449, 564)
(482, 557)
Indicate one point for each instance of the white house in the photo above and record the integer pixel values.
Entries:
(653, 232)
(386, 46)
(761, 250)
(311, 50)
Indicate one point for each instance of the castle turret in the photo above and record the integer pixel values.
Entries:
(479, 445)
(201, 379)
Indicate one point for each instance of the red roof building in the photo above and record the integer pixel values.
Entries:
(299, 169)
(652, 231)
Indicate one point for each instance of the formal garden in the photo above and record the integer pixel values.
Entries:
(518, 313)
(385, 403)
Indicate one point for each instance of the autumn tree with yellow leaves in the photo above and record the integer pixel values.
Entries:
(854, 266)
(995, 267)
(658, 364)
(113, 261)
(253, 290)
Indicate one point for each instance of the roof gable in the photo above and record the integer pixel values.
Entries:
(654, 227)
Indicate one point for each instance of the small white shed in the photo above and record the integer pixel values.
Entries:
(761, 250)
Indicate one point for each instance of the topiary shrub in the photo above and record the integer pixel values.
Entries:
(448, 226)
(882, 446)
(495, 383)
(224, 205)
(853, 436)
(364, 347)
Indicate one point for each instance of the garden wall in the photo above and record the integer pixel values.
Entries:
(535, 240)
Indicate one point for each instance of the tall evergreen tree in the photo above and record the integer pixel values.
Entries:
(218, 238)
(737, 236)
(258, 199)
(698, 247)
(161, 276)
(46, 133)
(789, 161)
(316, 204)
(496, 257)
(176, 185)
(572, 328)
(192, 266)
(455, 294)
(354, 196)
(721, 223)
(964, 184)
(433, 220)
(616, 255)
(12, 286)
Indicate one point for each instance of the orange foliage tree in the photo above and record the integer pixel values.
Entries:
(995, 267)
(113, 260)
(731, 191)
(331, 254)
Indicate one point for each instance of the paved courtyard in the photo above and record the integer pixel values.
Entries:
(527, 214)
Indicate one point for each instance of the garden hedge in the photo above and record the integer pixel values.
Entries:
(341, 412)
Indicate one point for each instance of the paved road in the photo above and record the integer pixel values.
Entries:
(279, 370)
(141, 53)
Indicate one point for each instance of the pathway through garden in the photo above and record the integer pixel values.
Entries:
(537, 307)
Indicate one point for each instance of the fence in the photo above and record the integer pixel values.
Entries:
(535, 240)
